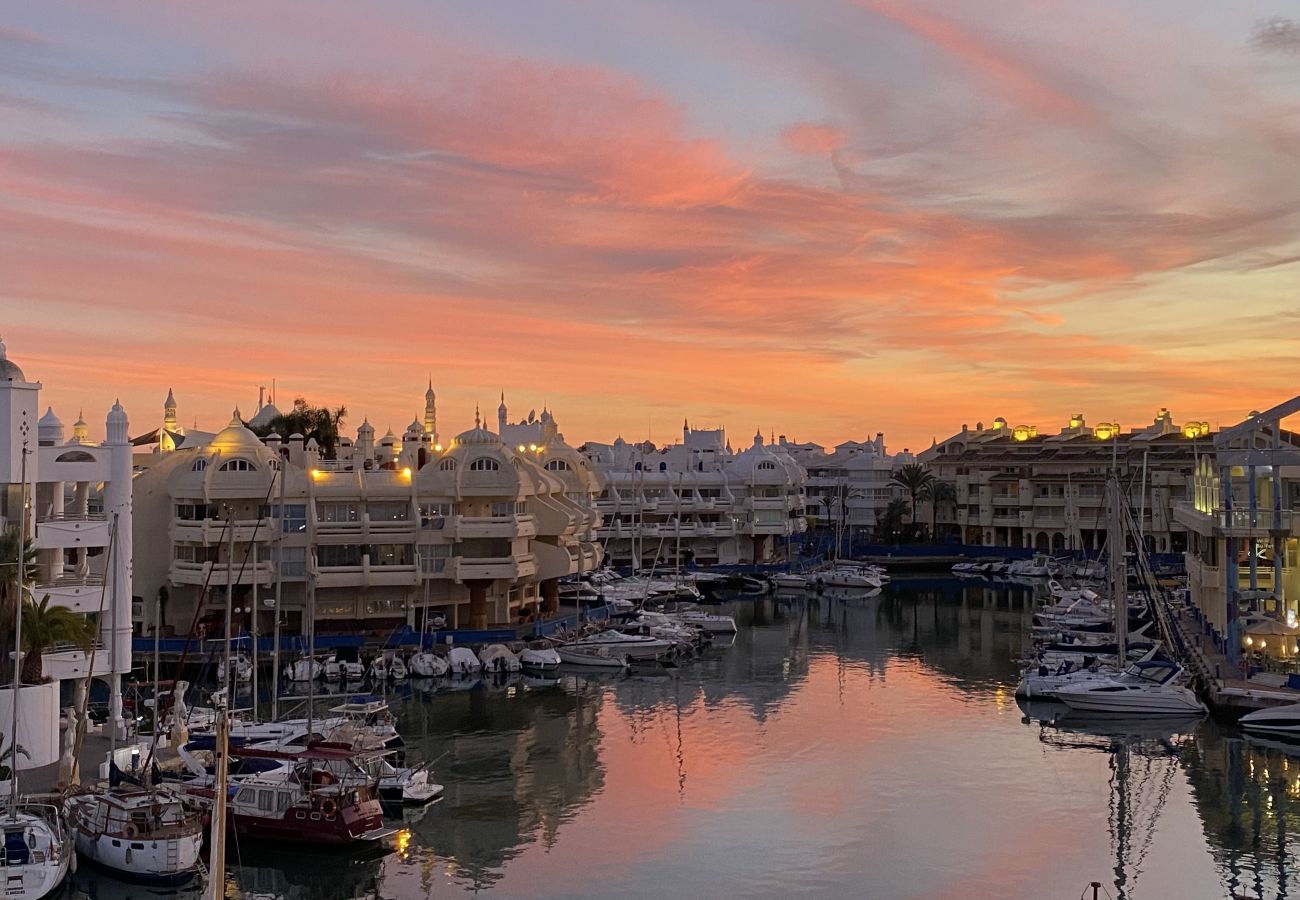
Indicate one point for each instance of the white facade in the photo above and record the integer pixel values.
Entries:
(478, 531)
(79, 519)
(849, 486)
(719, 507)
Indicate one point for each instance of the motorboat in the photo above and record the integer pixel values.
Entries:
(539, 658)
(618, 643)
(379, 669)
(1042, 681)
(1038, 566)
(498, 658)
(37, 851)
(708, 622)
(790, 581)
(1283, 721)
(427, 665)
(397, 668)
(591, 657)
(968, 569)
(140, 834)
(846, 576)
(304, 669)
(462, 661)
(333, 669)
(365, 715)
(1148, 687)
(353, 670)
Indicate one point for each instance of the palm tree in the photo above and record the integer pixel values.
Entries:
(889, 521)
(319, 422)
(938, 493)
(44, 626)
(913, 478)
(10, 590)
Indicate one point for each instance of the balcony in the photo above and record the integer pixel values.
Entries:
(491, 568)
(367, 575)
(66, 661)
(69, 530)
(210, 532)
(80, 594)
(219, 574)
(1236, 522)
(508, 527)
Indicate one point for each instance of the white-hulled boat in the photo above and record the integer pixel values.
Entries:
(305, 669)
(846, 576)
(242, 665)
(37, 850)
(1042, 681)
(397, 668)
(539, 658)
(790, 581)
(709, 622)
(1144, 688)
(498, 658)
(333, 669)
(139, 834)
(353, 670)
(427, 665)
(592, 657)
(379, 668)
(640, 646)
(462, 661)
(1283, 721)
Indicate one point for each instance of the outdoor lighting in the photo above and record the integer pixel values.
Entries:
(437, 448)
(522, 448)
(406, 472)
(316, 473)
(1249, 640)
(532, 447)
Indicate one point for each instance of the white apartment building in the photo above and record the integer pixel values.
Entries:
(78, 517)
(717, 506)
(477, 531)
(1244, 520)
(1017, 487)
(849, 486)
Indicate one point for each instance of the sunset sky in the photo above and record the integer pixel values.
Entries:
(821, 218)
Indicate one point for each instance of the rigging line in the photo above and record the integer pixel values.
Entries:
(90, 666)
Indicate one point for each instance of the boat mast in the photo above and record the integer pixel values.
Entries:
(217, 851)
(18, 631)
(1117, 573)
(230, 602)
(279, 584)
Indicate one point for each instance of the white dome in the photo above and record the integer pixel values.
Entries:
(9, 370)
(235, 438)
(264, 416)
(49, 420)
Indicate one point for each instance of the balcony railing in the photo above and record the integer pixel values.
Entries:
(71, 517)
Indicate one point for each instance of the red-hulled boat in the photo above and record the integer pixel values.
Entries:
(308, 802)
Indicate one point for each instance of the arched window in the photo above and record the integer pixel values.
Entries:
(663, 467)
(767, 465)
(638, 467)
(447, 465)
(75, 456)
(199, 465)
(559, 465)
(483, 464)
(237, 465)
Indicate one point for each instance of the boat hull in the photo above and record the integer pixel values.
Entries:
(167, 862)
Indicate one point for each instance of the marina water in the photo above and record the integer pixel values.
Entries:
(842, 747)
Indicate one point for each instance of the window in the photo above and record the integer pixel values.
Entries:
(483, 464)
(339, 555)
(559, 465)
(237, 465)
(663, 467)
(434, 515)
(392, 555)
(292, 560)
(199, 465)
(389, 511)
(266, 800)
(447, 465)
(334, 511)
(767, 465)
(195, 512)
(283, 801)
(433, 557)
(75, 456)
(294, 518)
(509, 508)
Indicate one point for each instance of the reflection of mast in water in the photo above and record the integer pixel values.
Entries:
(1135, 803)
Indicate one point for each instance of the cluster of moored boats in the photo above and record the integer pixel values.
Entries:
(837, 575)
(1040, 565)
(1084, 657)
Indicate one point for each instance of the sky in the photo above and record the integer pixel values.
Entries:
(821, 218)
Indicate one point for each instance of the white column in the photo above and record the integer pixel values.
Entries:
(116, 630)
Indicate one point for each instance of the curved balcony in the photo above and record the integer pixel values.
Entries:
(80, 594)
(69, 530)
(492, 568)
(508, 527)
(219, 574)
(213, 531)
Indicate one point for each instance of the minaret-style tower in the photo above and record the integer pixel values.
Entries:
(80, 430)
(169, 413)
(502, 414)
(431, 413)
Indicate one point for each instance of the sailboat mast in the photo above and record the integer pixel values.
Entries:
(18, 631)
(279, 585)
(216, 888)
(1118, 581)
(230, 601)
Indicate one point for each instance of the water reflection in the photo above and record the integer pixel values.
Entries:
(843, 745)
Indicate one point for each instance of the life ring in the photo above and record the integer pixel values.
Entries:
(129, 831)
(328, 807)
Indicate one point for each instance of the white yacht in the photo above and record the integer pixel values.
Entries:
(397, 668)
(304, 669)
(1042, 681)
(353, 670)
(709, 622)
(242, 665)
(139, 834)
(591, 657)
(639, 646)
(1145, 688)
(1283, 721)
(379, 668)
(790, 581)
(38, 850)
(499, 658)
(427, 665)
(333, 669)
(848, 576)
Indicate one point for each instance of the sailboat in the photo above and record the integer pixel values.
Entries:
(37, 849)
(139, 833)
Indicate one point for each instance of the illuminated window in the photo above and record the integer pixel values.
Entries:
(238, 465)
(483, 464)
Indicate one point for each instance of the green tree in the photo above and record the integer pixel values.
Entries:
(890, 527)
(319, 422)
(912, 478)
(45, 626)
(10, 591)
(938, 493)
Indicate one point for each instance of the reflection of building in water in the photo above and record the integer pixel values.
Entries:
(305, 875)
(1248, 796)
(515, 767)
